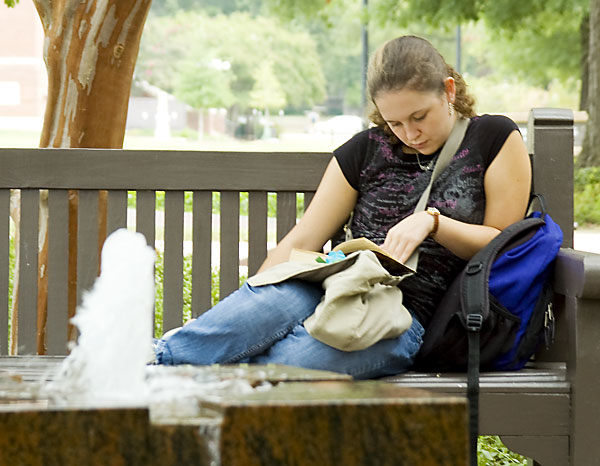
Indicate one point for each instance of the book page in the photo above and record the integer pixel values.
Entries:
(389, 262)
(304, 255)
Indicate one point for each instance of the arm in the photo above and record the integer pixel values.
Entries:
(329, 209)
(507, 184)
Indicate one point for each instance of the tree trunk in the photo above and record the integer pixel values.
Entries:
(91, 47)
(91, 50)
(590, 154)
(585, 51)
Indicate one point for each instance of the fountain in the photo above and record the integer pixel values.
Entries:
(104, 405)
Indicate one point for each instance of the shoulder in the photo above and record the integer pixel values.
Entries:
(490, 133)
(362, 140)
(351, 155)
(493, 124)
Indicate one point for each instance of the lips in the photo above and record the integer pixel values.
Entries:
(419, 146)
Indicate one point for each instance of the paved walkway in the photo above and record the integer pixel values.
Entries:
(587, 240)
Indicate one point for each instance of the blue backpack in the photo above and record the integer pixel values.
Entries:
(497, 311)
(503, 295)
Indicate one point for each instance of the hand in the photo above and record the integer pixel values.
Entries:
(404, 237)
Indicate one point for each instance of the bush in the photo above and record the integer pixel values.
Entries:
(216, 202)
(187, 290)
(492, 452)
(587, 195)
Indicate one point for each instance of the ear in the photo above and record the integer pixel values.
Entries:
(450, 85)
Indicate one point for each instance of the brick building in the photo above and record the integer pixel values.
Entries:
(23, 78)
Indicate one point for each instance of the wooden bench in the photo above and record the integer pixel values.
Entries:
(549, 411)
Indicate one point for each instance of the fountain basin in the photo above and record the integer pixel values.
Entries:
(290, 416)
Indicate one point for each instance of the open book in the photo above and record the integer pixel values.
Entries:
(348, 247)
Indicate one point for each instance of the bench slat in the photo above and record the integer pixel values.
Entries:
(230, 237)
(117, 211)
(201, 254)
(286, 213)
(308, 197)
(4, 264)
(58, 264)
(145, 218)
(544, 378)
(169, 170)
(28, 271)
(257, 229)
(145, 223)
(87, 241)
(173, 260)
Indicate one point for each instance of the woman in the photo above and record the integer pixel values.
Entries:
(379, 175)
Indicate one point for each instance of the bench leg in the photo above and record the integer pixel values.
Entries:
(545, 451)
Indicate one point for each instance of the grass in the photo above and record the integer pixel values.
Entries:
(187, 290)
(19, 138)
(288, 142)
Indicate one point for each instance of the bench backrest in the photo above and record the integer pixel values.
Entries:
(201, 174)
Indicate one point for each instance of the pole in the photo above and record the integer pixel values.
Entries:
(458, 49)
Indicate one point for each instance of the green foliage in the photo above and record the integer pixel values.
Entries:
(11, 274)
(549, 38)
(267, 92)
(216, 202)
(230, 47)
(294, 9)
(211, 7)
(202, 85)
(587, 195)
(11, 3)
(187, 290)
(519, 36)
(159, 291)
(492, 452)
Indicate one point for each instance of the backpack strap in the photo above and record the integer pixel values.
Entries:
(450, 148)
(475, 306)
(474, 285)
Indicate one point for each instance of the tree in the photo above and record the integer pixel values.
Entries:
(267, 92)
(205, 84)
(241, 41)
(90, 54)
(590, 154)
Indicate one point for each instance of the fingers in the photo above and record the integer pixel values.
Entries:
(400, 247)
(404, 237)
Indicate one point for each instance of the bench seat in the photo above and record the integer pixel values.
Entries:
(536, 378)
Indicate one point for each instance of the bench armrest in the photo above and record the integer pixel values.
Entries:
(577, 274)
(577, 279)
(576, 304)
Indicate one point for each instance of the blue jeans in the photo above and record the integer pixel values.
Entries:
(264, 325)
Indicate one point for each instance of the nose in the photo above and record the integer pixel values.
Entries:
(412, 133)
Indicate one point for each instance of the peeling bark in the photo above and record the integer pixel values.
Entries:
(90, 50)
(90, 53)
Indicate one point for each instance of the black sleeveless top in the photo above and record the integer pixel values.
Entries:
(390, 183)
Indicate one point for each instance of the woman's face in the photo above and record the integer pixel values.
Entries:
(421, 120)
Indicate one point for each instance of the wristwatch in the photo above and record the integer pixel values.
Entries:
(436, 220)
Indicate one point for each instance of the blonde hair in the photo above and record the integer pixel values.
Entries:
(411, 62)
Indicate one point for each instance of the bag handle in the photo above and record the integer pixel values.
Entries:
(450, 147)
(541, 201)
